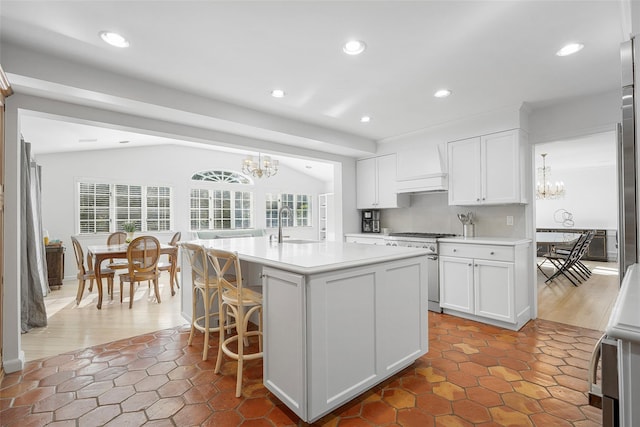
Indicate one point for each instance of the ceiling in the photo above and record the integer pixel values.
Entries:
(490, 54)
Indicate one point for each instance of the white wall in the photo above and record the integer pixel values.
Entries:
(159, 165)
(591, 197)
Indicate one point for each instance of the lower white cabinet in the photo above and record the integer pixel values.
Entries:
(485, 282)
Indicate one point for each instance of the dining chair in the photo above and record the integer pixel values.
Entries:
(142, 256)
(564, 262)
(117, 238)
(166, 265)
(241, 301)
(87, 273)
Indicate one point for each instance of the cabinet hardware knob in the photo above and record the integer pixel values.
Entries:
(455, 250)
(483, 198)
(476, 265)
(493, 253)
(469, 264)
(477, 200)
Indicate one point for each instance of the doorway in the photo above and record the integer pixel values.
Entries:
(580, 194)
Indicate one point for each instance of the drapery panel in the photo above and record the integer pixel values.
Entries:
(33, 268)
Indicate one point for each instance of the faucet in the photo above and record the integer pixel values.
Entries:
(282, 209)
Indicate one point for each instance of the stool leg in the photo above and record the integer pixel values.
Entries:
(194, 296)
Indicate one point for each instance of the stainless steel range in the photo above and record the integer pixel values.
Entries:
(427, 241)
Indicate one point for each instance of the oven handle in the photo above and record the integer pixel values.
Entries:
(595, 390)
(433, 257)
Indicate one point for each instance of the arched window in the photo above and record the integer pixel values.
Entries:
(216, 175)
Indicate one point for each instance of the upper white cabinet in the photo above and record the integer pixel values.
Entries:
(488, 169)
(376, 184)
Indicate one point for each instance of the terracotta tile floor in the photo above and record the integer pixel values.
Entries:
(473, 375)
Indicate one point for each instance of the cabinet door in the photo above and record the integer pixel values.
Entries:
(494, 290)
(500, 168)
(456, 284)
(464, 172)
(366, 184)
(387, 192)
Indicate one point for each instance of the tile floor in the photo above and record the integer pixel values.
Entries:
(473, 375)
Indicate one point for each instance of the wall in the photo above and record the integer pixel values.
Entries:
(431, 213)
(591, 196)
(159, 165)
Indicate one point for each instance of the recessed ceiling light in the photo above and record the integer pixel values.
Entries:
(277, 93)
(124, 142)
(354, 47)
(570, 49)
(365, 119)
(442, 93)
(114, 39)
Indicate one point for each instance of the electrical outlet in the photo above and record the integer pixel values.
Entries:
(509, 220)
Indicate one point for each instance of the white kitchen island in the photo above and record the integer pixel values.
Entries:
(338, 317)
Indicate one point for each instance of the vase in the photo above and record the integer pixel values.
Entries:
(129, 236)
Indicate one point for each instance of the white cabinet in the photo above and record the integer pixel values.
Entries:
(367, 239)
(376, 184)
(325, 217)
(485, 282)
(488, 169)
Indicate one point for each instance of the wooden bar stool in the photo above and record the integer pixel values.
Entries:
(241, 302)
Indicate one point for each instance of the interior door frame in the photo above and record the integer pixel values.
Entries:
(5, 91)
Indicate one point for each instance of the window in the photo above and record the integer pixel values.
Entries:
(298, 203)
(219, 209)
(103, 208)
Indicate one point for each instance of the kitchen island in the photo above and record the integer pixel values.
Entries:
(338, 317)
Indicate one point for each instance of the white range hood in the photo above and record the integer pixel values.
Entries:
(422, 170)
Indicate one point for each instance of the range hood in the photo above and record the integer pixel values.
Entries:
(422, 170)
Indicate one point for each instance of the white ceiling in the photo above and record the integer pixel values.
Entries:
(491, 54)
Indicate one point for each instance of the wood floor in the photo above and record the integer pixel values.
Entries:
(587, 305)
(72, 327)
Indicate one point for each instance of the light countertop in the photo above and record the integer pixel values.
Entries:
(503, 241)
(624, 322)
(310, 258)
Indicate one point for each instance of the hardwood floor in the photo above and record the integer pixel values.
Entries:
(72, 327)
(587, 305)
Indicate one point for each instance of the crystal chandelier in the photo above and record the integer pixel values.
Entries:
(544, 188)
(264, 166)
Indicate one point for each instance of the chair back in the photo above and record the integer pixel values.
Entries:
(586, 242)
(227, 265)
(143, 253)
(175, 239)
(201, 268)
(77, 249)
(117, 238)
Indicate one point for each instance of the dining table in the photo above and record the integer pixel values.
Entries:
(101, 252)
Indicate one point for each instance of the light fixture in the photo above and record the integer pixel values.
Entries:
(114, 39)
(277, 93)
(365, 119)
(264, 166)
(354, 47)
(544, 188)
(570, 49)
(442, 93)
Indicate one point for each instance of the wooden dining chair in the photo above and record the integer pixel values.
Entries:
(166, 265)
(241, 301)
(142, 256)
(87, 273)
(117, 238)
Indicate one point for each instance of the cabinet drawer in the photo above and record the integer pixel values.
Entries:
(488, 252)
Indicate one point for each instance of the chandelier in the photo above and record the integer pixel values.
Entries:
(544, 188)
(264, 166)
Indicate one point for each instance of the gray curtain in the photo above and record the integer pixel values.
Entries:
(33, 268)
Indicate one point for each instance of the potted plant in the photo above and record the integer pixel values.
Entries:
(129, 227)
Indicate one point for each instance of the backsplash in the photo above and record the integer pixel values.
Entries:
(431, 213)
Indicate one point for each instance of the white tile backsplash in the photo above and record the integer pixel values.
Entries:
(430, 212)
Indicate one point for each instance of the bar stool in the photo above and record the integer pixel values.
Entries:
(204, 282)
(241, 302)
